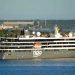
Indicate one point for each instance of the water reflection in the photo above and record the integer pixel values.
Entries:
(37, 62)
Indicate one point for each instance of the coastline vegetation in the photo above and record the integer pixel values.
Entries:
(9, 33)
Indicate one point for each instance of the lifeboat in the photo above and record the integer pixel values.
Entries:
(37, 45)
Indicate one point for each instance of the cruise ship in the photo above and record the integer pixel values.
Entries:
(38, 46)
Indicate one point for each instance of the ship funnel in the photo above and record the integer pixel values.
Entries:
(57, 34)
(56, 29)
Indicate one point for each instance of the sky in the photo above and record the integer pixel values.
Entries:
(37, 9)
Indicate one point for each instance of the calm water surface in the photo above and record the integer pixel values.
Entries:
(36, 67)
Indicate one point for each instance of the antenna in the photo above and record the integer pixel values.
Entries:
(38, 23)
(45, 23)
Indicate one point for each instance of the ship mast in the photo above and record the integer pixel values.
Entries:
(45, 23)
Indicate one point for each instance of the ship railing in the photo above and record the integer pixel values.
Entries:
(42, 45)
(49, 48)
(37, 38)
(39, 41)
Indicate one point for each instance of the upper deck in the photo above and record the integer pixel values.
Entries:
(39, 41)
(8, 43)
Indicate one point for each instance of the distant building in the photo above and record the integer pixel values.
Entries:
(10, 25)
(18, 23)
(2, 26)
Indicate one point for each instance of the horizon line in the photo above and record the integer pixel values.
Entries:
(31, 19)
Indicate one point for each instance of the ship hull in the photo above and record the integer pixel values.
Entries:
(49, 54)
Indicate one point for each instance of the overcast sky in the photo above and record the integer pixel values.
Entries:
(37, 9)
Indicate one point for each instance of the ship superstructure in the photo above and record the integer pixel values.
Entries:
(37, 46)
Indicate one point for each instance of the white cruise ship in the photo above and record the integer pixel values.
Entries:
(42, 47)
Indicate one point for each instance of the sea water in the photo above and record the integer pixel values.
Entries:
(36, 67)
